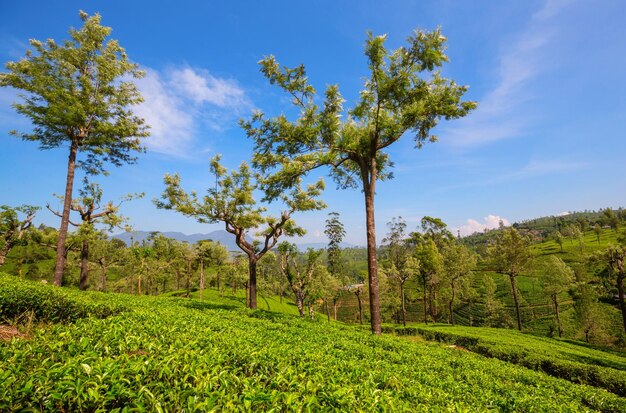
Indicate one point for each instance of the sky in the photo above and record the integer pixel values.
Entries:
(547, 137)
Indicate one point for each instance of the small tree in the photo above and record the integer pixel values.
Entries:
(556, 277)
(615, 258)
(403, 94)
(211, 254)
(431, 264)
(92, 212)
(511, 255)
(13, 228)
(231, 202)
(597, 229)
(402, 266)
(558, 238)
(335, 232)
(458, 263)
(76, 95)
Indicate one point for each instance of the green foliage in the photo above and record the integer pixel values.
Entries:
(78, 91)
(168, 354)
(45, 304)
(569, 360)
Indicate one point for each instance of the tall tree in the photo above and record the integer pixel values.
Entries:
(13, 228)
(231, 202)
(556, 277)
(77, 94)
(335, 232)
(510, 255)
(404, 94)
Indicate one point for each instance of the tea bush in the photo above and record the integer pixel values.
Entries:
(568, 360)
(174, 354)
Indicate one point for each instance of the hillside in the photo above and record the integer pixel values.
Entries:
(113, 351)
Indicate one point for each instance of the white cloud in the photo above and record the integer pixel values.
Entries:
(179, 101)
(202, 87)
(499, 115)
(489, 222)
(171, 125)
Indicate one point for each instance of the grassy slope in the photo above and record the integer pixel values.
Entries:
(173, 354)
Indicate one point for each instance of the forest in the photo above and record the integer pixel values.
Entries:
(90, 321)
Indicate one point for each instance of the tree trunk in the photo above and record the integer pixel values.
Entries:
(335, 308)
(358, 296)
(65, 218)
(451, 303)
(201, 278)
(5, 251)
(469, 305)
(252, 268)
(516, 301)
(622, 303)
(299, 302)
(103, 278)
(403, 304)
(556, 313)
(371, 260)
(424, 299)
(84, 266)
(312, 311)
(327, 309)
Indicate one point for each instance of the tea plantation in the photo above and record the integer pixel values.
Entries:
(99, 352)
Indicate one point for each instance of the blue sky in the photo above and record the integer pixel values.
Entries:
(548, 135)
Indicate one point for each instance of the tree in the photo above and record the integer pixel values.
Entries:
(211, 253)
(76, 93)
(558, 238)
(458, 264)
(402, 266)
(89, 207)
(300, 271)
(13, 228)
(335, 232)
(597, 229)
(107, 253)
(405, 93)
(231, 202)
(431, 263)
(556, 277)
(610, 218)
(615, 258)
(437, 230)
(510, 255)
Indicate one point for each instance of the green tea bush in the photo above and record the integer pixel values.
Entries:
(19, 299)
(566, 360)
(166, 355)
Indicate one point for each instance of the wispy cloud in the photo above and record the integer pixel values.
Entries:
(534, 168)
(179, 101)
(499, 114)
(489, 222)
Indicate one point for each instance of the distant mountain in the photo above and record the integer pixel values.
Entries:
(221, 236)
(321, 245)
